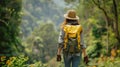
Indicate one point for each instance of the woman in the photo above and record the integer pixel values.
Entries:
(71, 51)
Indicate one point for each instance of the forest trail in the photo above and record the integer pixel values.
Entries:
(52, 63)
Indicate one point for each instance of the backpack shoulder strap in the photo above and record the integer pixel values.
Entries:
(78, 36)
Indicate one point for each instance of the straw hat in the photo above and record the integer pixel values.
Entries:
(71, 14)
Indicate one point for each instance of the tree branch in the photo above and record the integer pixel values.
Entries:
(105, 13)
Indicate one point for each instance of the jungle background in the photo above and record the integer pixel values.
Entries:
(29, 31)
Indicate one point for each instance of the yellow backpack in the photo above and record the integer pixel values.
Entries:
(72, 31)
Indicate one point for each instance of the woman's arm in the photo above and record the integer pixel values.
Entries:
(60, 45)
(83, 44)
(59, 51)
(84, 52)
(60, 42)
(86, 60)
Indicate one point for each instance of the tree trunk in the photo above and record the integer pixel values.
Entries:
(116, 30)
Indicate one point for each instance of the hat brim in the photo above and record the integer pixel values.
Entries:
(66, 16)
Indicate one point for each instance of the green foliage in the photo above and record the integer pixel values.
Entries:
(38, 64)
(40, 36)
(98, 32)
(109, 63)
(105, 63)
(94, 50)
(10, 19)
(15, 62)
(69, 1)
(35, 11)
(20, 61)
(42, 43)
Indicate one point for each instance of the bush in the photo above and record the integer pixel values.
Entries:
(15, 62)
(38, 64)
(20, 61)
(105, 62)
